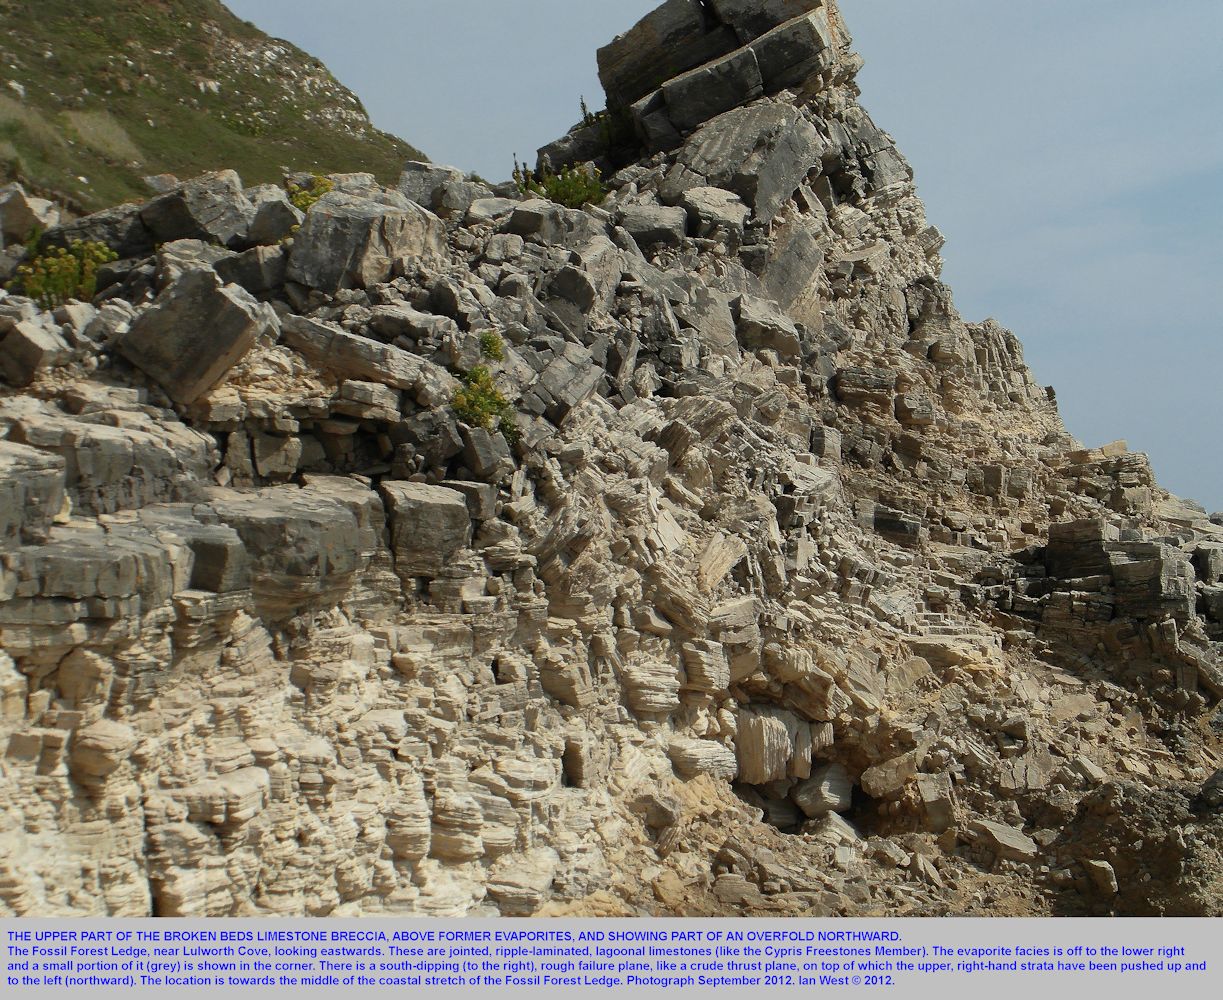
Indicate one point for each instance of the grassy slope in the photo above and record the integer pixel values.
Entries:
(118, 89)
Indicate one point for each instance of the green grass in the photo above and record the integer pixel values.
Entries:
(113, 94)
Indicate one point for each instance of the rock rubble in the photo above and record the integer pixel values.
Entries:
(778, 589)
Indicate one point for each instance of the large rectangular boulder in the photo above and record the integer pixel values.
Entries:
(353, 242)
(700, 94)
(212, 208)
(303, 546)
(763, 749)
(1079, 549)
(429, 526)
(195, 332)
(651, 225)
(676, 37)
(794, 53)
(28, 348)
(753, 18)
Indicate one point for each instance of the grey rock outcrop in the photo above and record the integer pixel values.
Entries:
(688, 553)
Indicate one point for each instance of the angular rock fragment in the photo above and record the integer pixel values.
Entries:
(21, 214)
(1005, 841)
(790, 273)
(858, 386)
(705, 666)
(349, 356)
(275, 217)
(443, 190)
(195, 332)
(885, 780)
(827, 790)
(220, 563)
(259, 270)
(212, 208)
(696, 757)
(487, 454)
(760, 323)
(938, 801)
(654, 224)
(352, 242)
(429, 525)
(652, 687)
(27, 348)
(715, 214)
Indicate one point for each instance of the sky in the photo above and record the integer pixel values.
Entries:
(1071, 152)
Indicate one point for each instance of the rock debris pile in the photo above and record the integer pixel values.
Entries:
(774, 588)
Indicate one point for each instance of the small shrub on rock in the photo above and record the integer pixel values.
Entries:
(479, 403)
(58, 274)
(492, 346)
(305, 196)
(573, 187)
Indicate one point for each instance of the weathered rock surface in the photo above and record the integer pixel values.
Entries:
(348, 241)
(747, 563)
(196, 331)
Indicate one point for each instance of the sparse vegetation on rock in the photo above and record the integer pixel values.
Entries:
(480, 403)
(572, 186)
(739, 574)
(59, 274)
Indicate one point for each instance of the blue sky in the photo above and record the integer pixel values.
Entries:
(1070, 151)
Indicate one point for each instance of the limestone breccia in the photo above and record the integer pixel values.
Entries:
(778, 589)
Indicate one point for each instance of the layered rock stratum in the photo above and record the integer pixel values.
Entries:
(780, 589)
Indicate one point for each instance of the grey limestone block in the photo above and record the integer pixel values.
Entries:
(429, 526)
(349, 241)
(196, 331)
(213, 208)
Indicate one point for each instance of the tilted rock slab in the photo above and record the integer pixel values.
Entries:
(197, 330)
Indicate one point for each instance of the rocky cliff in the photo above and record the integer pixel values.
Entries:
(457, 552)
